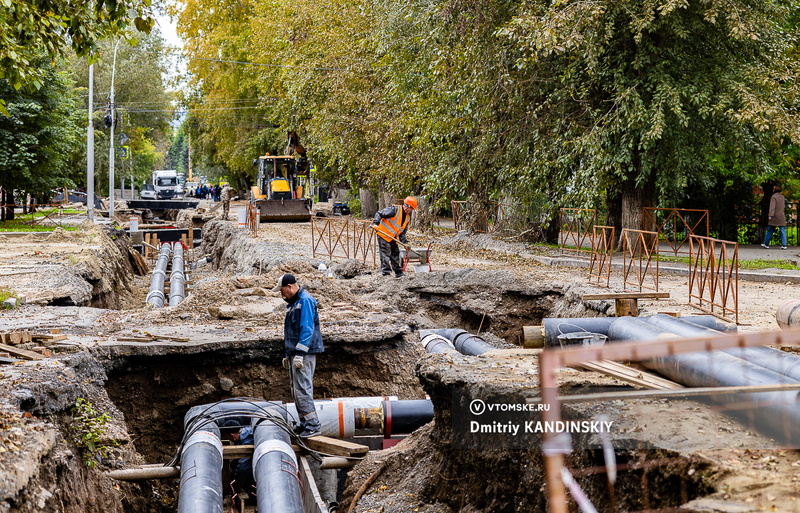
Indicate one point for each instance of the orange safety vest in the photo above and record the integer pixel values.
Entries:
(392, 227)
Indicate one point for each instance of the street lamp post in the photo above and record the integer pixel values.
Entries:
(111, 140)
(90, 150)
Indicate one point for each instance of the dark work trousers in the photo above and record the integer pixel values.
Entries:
(390, 257)
(303, 391)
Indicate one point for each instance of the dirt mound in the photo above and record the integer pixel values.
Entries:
(59, 235)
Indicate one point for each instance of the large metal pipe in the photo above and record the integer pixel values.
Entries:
(785, 364)
(156, 295)
(176, 277)
(774, 412)
(403, 417)
(463, 341)
(553, 327)
(434, 343)
(275, 469)
(788, 314)
(201, 472)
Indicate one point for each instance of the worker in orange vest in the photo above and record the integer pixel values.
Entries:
(391, 224)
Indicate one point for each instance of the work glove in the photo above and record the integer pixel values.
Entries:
(297, 361)
(285, 363)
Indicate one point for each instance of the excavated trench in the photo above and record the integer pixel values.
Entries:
(153, 388)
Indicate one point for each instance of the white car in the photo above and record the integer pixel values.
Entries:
(148, 192)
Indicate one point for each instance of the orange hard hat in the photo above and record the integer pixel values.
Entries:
(411, 201)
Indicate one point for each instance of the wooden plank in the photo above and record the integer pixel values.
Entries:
(231, 452)
(30, 355)
(627, 295)
(49, 337)
(135, 339)
(336, 447)
(4, 359)
(634, 376)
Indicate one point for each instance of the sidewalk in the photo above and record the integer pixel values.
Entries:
(746, 252)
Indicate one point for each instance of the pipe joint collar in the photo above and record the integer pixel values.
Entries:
(203, 437)
(273, 446)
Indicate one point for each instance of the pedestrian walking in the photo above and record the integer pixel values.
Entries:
(226, 195)
(391, 224)
(777, 217)
(302, 342)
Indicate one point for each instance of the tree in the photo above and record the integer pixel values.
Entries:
(31, 30)
(636, 95)
(40, 134)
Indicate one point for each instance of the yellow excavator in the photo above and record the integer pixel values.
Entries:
(279, 192)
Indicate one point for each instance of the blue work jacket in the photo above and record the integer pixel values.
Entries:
(301, 333)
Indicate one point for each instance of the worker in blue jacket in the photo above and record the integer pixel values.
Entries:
(302, 342)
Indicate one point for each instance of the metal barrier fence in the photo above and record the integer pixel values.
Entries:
(253, 219)
(557, 444)
(344, 239)
(576, 225)
(602, 254)
(677, 225)
(714, 277)
(640, 249)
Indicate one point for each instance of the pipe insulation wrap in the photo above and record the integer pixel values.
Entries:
(434, 343)
(201, 473)
(337, 417)
(785, 364)
(788, 314)
(464, 342)
(774, 412)
(403, 417)
(276, 473)
(270, 446)
(555, 326)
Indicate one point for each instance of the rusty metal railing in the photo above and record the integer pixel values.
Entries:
(253, 219)
(602, 254)
(640, 250)
(677, 226)
(576, 229)
(343, 239)
(556, 445)
(714, 276)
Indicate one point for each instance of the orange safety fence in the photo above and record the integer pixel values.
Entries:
(576, 229)
(602, 254)
(343, 239)
(676, 225)
(714, 276)
(640, 250)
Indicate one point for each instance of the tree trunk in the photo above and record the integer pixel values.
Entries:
(6, 205)
(614, 206)
(634, 198)
(369, 204)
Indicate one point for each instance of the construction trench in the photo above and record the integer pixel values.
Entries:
(148, 368)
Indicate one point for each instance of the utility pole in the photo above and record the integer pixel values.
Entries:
(111, 139)
(90, 150)
(189, 156)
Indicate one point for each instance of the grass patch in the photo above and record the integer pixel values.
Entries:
(743, 264)
(5, 294)
(18, 225)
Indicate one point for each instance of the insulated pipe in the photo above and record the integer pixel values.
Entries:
(176, 277)
(403, 417)
(775, 412)
(788, 314)
(463, 341)
(553, 327)
(275, 470)
(156, 295)
(434, 343)
(201, 472)
(340, 418)
(785, 364)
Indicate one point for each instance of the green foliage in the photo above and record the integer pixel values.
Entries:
(88, 428)
(39, 134)
(542, 104)
(5, 294)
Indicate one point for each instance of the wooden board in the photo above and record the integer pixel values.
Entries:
(336, 447)
(630, 375)
(15, 337)
(627, 295)
(30, 355)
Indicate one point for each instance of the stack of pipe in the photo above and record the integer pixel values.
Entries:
(156, 295)
(176, 277)
(775, 412)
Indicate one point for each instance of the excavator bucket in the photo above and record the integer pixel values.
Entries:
(290, 210)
